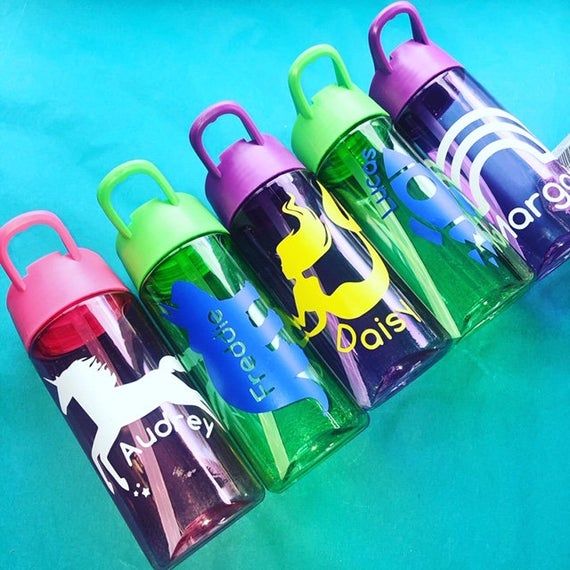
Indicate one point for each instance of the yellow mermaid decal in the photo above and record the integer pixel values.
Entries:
(302, 248)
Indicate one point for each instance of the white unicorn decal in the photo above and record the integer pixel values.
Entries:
(112, 407)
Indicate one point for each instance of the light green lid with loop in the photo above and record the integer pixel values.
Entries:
(159, 226)
(333, 111)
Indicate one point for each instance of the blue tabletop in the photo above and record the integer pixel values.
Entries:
(467, 468)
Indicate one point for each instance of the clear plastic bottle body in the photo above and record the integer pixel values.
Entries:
(455, 262)
(502, 168)
(284, 411)
(167, 462)
(322, 271)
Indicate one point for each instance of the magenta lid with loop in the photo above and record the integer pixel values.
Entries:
(54, 282)
(411, 65)
(244, 166)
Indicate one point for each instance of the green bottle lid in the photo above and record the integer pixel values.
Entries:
(159, 226)
(334, 111)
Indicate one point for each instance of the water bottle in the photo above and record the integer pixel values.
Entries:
(284, 412)
(152, 438)
(499, 165)
(320, 268)
(454, 261)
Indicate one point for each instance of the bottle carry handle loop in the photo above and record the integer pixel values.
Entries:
(20, 224)
(314, 53)
(209, 116)
(419, 34)
(121, 173)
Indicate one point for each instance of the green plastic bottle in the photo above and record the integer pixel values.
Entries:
(284, 411)
(455, 261)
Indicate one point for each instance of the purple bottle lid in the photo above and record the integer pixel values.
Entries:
(411, 65)
(244, 166)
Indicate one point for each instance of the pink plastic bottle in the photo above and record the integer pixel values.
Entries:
(156, 445)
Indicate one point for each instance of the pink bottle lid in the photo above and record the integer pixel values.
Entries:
(411, 66)
(244, 166)
(54, 282)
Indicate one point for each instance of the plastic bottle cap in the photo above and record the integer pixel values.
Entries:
(159, 226)
(244, 166)
(54, 282)
(333, 111)
(411, 66)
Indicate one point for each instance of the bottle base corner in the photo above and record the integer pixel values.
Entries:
(557, 254)
(407, 370)
(316, 451)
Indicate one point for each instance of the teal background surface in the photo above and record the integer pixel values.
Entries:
(467, 468)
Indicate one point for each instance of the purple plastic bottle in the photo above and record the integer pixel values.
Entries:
(319, 268)
(450, 119)
(154, 442)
